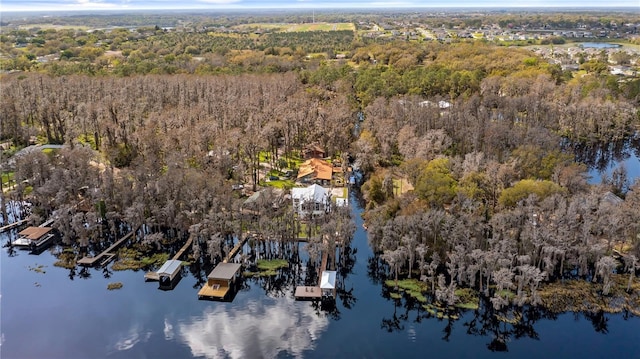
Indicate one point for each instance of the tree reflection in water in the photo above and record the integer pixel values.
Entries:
(501, 326)
(601, 155)
(599, 321)
(84, 273)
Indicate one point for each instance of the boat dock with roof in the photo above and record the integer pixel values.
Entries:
(219, 281)
(34, 238)
(166, 274)
(169, 270)
(326, 287)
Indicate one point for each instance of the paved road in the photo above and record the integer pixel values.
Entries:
(11, 162)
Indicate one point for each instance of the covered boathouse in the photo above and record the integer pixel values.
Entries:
(168, 273)
(34, 238)
(220, 281)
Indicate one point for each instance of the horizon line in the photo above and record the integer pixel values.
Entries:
(325, 8)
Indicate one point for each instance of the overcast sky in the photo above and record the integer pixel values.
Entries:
(47, 5)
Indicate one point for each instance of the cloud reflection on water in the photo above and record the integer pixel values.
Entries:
(168, 330)
(257, 330)
(129, 340)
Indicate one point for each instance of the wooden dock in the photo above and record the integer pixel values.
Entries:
(107, 255)
(235, 250)
(304, 292)
(48, 223)
(213, 292)
(183, 249)
(153, 276)
(12, 225)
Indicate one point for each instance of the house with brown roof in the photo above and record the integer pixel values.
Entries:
(315, 170)
(313, 151)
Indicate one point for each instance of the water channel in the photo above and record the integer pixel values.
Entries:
(52, 312)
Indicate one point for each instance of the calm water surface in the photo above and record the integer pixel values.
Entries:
(50, 315)
(599, 45)
(603, 159)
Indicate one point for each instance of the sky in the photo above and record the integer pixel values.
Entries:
(65, 5)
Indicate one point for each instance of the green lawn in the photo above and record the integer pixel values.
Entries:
(283, 184)
(7, 178)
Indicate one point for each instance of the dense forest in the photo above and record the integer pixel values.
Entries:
(485, 140)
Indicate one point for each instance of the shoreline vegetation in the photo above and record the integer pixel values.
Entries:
(472, 156)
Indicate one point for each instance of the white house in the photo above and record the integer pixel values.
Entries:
(314, 200)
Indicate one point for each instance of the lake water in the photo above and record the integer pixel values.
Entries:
(604, 159)
(63, 314)
(599, 45)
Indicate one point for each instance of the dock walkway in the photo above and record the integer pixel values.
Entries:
(48, 223)
(12, 225)
(107, 255)
(235, 249)
(304, 292)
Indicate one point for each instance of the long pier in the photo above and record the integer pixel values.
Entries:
(13, 225)
(235, 249)
(183, 249)
(48, 222)
(107, 255)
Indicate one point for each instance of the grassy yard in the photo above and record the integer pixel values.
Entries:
(282, 184)
(129, 258)
(7, 178)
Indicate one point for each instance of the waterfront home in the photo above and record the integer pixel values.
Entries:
(314, 200)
